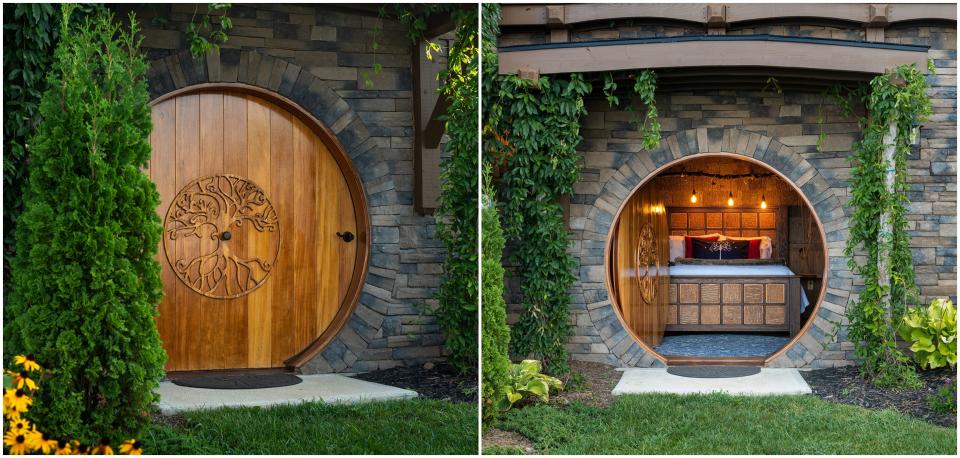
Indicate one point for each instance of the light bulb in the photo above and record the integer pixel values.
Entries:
(730, 200)
(763, 201)
(693, 197)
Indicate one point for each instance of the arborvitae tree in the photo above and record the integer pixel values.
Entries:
(496, 333)
(85, 284)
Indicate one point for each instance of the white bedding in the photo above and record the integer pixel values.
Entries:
(770, 270)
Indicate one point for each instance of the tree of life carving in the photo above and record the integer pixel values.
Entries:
(222, 236)
(648, 263)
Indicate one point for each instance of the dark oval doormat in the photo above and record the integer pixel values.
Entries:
(713, 371)
(239, 382)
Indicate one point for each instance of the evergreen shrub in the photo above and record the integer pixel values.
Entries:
(85, 281)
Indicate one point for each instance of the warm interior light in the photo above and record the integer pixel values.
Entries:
(763, 201)
(693, 197)
(730, 200)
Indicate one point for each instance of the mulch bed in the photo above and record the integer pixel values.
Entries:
(439, 381)
(844, 385)
(596, 381)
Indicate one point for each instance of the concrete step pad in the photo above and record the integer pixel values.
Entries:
(329, 388)
(770, 381)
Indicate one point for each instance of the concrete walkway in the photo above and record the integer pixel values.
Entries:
(329, 388)
(770, 381)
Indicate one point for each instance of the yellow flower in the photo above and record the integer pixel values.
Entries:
(40, 441)
(21, 379)
(80, 449)
(63, 448)
(103, 448)
(17, 400)
(12, 415)
(132, 447)
(26, 362)
(20, 426)
(16, 442)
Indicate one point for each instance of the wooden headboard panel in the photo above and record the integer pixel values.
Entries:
(733, 222)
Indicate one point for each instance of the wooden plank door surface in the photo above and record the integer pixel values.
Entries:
(251, 201)
(640, 261)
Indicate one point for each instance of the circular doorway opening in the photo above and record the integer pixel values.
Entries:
(716, 259)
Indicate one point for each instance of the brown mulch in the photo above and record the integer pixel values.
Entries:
(595, 380)
(440, 381)
(844, 385)
(507, 439)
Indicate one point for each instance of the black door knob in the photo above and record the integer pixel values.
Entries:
(226, 235)
(347, 236)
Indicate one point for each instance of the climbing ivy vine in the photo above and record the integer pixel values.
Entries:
(531, 130)
(895, 97)
(530, 134)
(645, 87)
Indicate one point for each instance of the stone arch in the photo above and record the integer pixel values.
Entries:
(180, 70)
(821, 331)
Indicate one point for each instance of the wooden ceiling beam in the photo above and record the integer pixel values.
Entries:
(805, 54)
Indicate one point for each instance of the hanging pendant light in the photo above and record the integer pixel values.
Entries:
(730, 200)
(693, 197)
(763, 201)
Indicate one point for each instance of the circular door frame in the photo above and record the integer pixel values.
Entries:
(608, 244)
(354, 186)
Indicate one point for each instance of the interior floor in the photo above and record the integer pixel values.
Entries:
(721, 344)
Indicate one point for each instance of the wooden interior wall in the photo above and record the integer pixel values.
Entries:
(713, 192)
(733, 222)
(646, 319)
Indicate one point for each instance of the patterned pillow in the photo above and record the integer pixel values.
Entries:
(720, 249)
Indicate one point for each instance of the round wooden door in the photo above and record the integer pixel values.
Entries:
(261, 243)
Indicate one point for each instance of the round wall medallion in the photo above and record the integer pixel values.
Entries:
(648, 263)
(222, 236)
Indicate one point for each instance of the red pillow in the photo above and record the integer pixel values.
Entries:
(688, 243)
(753, 250)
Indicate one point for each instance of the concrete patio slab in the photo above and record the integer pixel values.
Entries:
(770, 381)
(329, 388)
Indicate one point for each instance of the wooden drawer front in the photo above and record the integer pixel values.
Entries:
(709, 314)
(775, 314)
(776, 293)
(752, 314)
(732, 293)
(753, 293)
(689, 314)
(689, 293)
(732, 314)
(710, 293)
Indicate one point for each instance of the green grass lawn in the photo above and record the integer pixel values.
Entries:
(722, 424)
(396, 427)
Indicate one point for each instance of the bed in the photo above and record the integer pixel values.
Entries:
(757, 295)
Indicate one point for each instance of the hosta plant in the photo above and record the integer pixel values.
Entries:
(524, 381)
(932, 333)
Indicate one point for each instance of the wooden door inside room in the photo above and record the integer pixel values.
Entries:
(639, 259)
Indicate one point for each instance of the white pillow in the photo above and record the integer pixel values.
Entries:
(677, 247)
